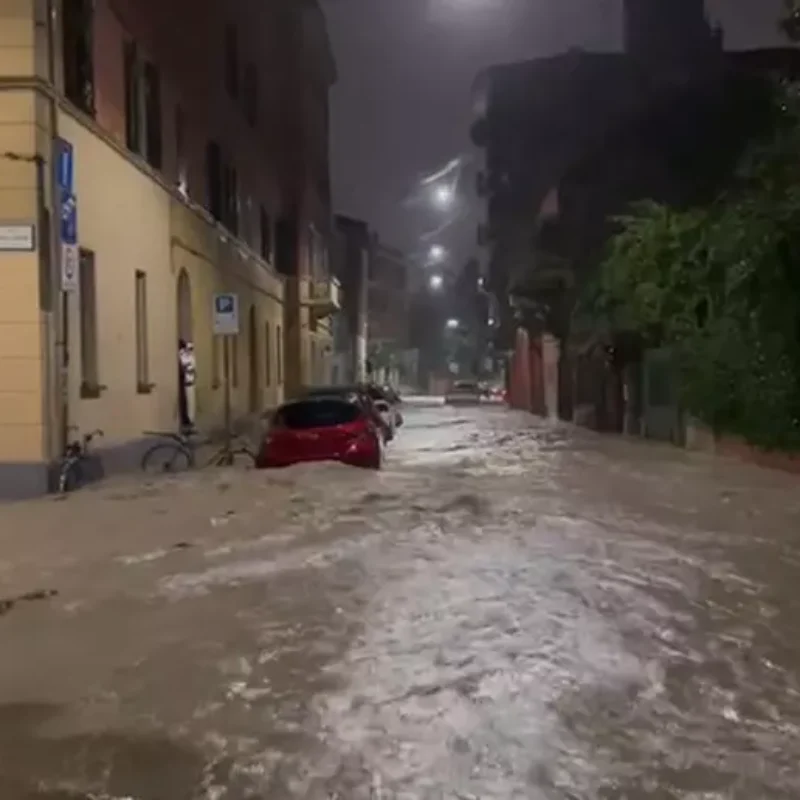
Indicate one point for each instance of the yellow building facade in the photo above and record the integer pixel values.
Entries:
(104, 355)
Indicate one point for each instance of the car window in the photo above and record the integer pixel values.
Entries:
(466, 386)
(348, 396)
(329, 391)
(320, 413)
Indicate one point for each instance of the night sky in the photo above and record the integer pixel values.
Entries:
(402, 105)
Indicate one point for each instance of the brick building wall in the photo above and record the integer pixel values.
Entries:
(196, 104)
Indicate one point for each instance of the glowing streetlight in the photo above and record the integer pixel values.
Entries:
(436, 254)
(452, 324)
(436, 282)
(443, 196)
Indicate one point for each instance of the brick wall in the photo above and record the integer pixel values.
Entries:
(186, 40)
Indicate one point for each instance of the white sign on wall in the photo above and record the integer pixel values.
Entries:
(17, 238)
(70, 266)
(226, 314)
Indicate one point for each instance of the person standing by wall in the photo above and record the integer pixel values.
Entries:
(186, 380)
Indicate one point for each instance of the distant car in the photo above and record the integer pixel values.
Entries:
(497, 394)
(322, 429)
(464, 393)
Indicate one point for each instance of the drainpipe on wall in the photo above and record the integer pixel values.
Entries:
(56, 334)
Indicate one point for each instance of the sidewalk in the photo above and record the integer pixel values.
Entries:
(131, 516)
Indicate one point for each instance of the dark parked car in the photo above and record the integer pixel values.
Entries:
(322, 429)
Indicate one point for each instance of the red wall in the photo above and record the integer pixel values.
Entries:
(526, 382)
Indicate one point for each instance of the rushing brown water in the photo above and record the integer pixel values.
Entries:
(509, 610)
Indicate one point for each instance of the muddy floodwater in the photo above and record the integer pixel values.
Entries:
(511, 609)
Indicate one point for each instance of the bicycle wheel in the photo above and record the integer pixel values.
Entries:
(167, 458)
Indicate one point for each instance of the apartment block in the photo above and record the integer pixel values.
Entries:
(152, 155)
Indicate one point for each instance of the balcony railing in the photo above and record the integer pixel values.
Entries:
(325, 297)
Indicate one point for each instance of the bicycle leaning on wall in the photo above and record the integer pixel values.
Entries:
(73, 469)
(177, 452)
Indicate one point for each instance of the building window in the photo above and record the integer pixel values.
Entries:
(214, 180)
(250, 94)
(223, 188)
(87, 309)
(133, 132)
(181, 167)
(286, 246)
(232, 61)
(267, 356)
(279, 354)
(78, 47)
(142, 106)
(316, 254)
(265, 228)
(142, 352)
(230, 190)
(246, 227)
(152, 116)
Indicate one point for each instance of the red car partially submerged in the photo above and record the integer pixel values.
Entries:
(322, 429)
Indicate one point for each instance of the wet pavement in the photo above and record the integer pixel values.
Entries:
(511, 609)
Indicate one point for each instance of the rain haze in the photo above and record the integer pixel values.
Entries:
(401, 107)
(290, 513)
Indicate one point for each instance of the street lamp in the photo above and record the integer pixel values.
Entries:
(436, 254)
(443, 196)
(436, 282)
(452, 324)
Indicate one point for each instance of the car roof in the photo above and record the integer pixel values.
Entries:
(299, 401)
(354, 388)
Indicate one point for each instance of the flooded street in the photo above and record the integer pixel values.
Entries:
(511, 609)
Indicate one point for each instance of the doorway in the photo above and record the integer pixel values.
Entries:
(185, 307)
(185, 353)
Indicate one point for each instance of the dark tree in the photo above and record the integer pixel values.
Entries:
(790, 23)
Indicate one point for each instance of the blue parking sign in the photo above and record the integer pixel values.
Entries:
(225, 304)
(226, 314)
(65, 166)
(69, 218)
